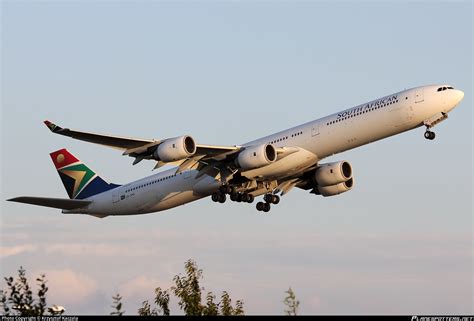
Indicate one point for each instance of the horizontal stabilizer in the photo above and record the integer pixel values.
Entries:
(61, 203)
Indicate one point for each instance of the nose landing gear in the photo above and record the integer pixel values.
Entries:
(429, 134)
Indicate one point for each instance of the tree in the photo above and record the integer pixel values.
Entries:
(117, 305)
(189, 294)
(18, 298)
(291, 303)
(162, 299)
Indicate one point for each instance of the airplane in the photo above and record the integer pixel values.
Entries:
(270, 166)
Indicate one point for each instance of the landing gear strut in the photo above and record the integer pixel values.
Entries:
(429, 134)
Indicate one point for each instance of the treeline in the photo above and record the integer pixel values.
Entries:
(18, 298)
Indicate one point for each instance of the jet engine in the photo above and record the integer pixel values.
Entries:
(174, 149)
(336, 189)
(330, 179)
(256, 156)
(333, 173)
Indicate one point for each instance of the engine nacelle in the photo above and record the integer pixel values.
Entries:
(256, 156)
(337, 188)
(174, 149)
(333, 173)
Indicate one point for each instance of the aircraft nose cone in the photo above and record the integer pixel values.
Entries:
(459, 96)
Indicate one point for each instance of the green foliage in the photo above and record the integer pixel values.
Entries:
(187, 289)
(211, 308)
(146, 311)
(117, 305)
(189, 294)
(291, 303)
(18, 298)
(162, 300)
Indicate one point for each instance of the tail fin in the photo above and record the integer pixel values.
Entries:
(79, 180)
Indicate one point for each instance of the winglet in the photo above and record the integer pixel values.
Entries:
(52, 127)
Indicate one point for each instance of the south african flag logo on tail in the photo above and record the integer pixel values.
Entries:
(79, 180)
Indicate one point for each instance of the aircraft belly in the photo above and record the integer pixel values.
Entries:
(177, 199)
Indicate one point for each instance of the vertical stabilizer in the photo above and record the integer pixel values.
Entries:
(79, 180)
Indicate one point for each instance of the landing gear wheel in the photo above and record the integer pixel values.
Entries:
(260, 206)
(268, 198)
(239, 198)
(266, 207)
(222, 198)
(215, 197)
(245, 198)
(430, 135)
(250, 198)
(234, 197)
(275, 199)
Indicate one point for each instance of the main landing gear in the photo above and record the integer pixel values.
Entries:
(221, 197)
(429, 134)
(242, 197)
(269, 199)
(218, 197)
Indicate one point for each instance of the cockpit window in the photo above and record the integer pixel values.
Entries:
(444, 88)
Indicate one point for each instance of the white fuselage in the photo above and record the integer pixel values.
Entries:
(315, 140)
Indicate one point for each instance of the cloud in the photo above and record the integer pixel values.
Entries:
(257, 267)
(6, 251)
(141, 286)
(139, 289)
(68, 287)
(98, 249)
(314, 303)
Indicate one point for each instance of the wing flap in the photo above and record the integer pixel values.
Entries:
(61, 203)
(211, 150)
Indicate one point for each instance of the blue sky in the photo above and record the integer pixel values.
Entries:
(227, 73)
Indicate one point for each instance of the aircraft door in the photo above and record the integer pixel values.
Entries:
(315, 129)
(419, 96)
(115, 195)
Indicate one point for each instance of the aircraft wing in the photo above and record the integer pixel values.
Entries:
(111, 141)
(141, 148)
(61, 203)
